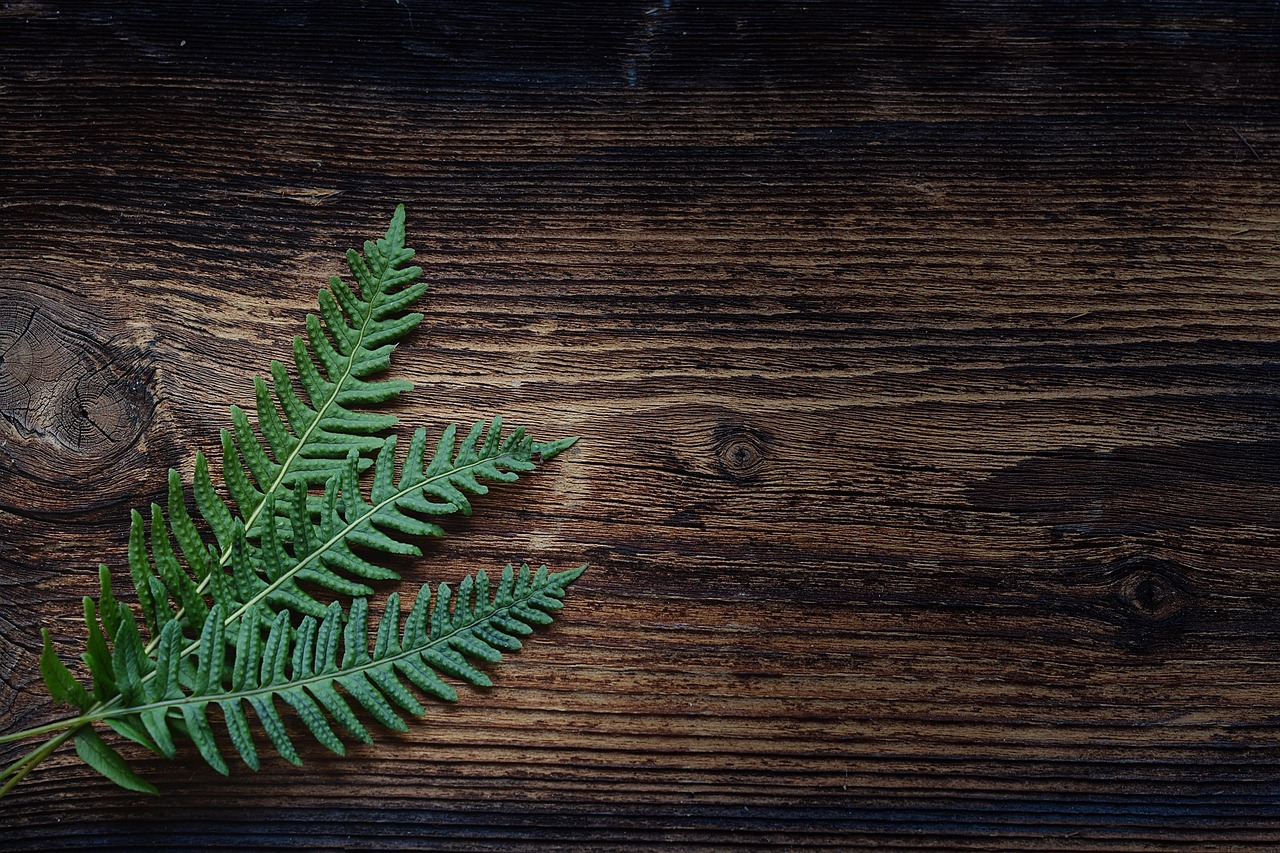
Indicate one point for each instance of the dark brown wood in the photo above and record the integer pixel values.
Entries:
(924, 363)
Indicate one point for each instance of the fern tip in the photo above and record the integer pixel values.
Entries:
(568, 576)
(550, 449)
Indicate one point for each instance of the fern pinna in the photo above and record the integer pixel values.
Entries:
(231, 616)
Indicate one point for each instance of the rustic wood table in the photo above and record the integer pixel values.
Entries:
(924, 364)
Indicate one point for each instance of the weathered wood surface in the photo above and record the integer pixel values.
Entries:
(924, 364)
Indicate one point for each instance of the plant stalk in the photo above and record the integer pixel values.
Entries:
(17, 771)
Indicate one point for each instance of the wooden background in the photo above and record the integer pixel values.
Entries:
(924, 363)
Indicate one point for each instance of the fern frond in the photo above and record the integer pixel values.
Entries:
(308, 433)
(322, 554)
(235, 621)
(323, 439)
(349, 342)
(337, 547)
(318, 668)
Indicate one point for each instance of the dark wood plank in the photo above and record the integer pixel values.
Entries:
(924, 361)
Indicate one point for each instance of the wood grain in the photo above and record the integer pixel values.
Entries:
(924, 360)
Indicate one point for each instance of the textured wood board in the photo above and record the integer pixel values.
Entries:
(924, 364)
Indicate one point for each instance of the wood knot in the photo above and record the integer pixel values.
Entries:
(1147, 588)
(73, 409)
(740, 450)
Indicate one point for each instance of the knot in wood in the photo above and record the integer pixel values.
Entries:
(72, 408)
(1148, 589)
(740, 450)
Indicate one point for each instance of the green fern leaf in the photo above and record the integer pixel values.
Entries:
(339, 551)
(322, 440)
(61, 683)
(321, 427)
(235, 622)
(320, 666)
(97, 754)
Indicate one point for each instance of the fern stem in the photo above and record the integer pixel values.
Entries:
(47, 728)
(17, 771)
